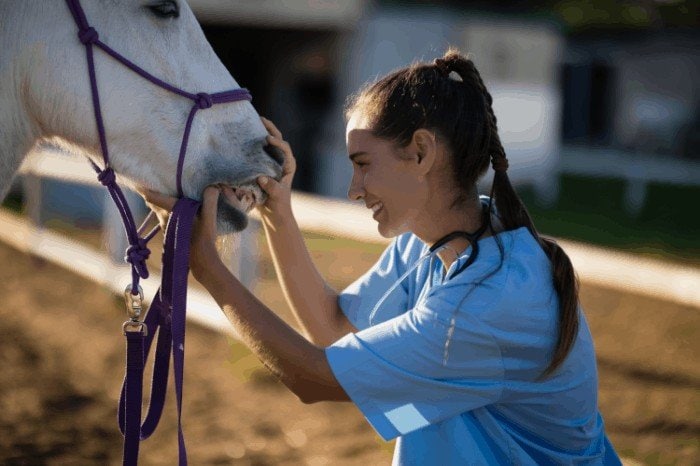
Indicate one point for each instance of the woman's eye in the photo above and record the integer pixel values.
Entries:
(166, 9)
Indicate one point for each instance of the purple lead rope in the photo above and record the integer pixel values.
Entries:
(168, 308)
(167, 315)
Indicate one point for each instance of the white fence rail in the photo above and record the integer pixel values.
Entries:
(604, 267)
(96, 266)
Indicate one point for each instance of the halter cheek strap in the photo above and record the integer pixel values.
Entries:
(167, 313)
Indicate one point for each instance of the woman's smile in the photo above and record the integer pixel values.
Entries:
(376, 208)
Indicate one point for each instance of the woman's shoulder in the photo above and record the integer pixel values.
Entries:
(496, 254)
(517, 248)
(510, 273)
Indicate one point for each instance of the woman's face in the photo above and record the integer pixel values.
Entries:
(385, 179)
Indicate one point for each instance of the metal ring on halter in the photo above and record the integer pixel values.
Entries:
(139, 326)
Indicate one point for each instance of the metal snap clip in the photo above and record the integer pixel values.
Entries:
(134, 302)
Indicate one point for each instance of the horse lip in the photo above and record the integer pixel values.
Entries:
(251, 188)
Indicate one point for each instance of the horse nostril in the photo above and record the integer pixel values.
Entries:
(274, 152)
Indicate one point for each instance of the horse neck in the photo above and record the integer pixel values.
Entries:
(18, 133)
(27, 28)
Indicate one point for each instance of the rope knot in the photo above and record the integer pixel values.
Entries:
(204, 100)
(88, 36)
(107, 177)
(137, 255)
(499, 164)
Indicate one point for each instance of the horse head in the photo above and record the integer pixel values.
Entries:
(49, 99)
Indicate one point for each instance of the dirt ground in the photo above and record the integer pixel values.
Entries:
(61, 353)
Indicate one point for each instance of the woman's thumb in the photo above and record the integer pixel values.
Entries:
(268, 185)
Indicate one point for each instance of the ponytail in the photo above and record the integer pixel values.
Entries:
(514, 214)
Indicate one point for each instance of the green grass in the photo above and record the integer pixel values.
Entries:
(592, 211)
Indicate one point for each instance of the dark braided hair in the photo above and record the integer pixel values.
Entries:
(450, 98)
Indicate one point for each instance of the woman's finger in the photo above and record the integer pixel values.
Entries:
(275, 139)
(269, 185)
(157, 199)
(208, 211)
(289, 162)
(278, 142)
(271, 128)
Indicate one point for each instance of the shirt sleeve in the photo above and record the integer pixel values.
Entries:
(360, 297)
(396, 373)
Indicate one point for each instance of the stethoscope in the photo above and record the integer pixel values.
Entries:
(437, 247)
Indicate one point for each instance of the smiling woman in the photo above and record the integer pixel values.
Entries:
(465, 340)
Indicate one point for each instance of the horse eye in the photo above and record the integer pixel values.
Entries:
(166, 9)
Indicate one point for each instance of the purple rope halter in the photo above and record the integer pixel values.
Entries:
(137, 252)
(167, 313)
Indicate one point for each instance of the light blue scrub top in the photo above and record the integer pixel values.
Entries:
(474, 400)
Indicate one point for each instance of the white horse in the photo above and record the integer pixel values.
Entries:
(45, 97)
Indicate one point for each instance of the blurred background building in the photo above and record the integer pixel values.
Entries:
(302, 59)
(613, 83)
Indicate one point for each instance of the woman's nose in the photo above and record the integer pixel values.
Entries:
(355, 191)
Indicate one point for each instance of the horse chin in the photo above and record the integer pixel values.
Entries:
(234, 204)
(229, 218)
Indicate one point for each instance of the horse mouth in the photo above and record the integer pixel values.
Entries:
(243, 197)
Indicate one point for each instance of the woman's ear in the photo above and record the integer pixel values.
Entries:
(424, 144)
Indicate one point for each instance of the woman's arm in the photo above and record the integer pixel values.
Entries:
(299, 364)
(313, 302)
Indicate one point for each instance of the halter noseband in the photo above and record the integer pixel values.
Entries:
(167, 312)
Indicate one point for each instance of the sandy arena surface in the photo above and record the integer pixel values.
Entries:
(61, 352)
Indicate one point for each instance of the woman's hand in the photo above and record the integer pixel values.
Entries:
(278, 192)
(203, 253)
